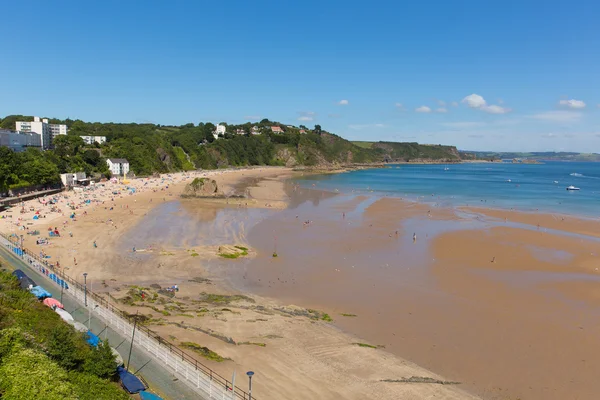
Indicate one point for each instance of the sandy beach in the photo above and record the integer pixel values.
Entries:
(367, 295)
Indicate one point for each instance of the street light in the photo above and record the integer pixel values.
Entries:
(85, 288)
(250, 373)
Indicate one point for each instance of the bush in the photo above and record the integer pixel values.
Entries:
(101, 362)
(90, 387)
(65, 348)
(28, 374)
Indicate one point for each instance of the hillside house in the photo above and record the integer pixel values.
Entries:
(276, 129)
(118, 166)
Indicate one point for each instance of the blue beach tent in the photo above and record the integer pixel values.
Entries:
(40, 292)
(149, 396)
(129, 381)
(92, 339)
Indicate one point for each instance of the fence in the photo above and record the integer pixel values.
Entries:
(201, 378)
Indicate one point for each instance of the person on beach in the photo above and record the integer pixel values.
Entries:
(414, 237)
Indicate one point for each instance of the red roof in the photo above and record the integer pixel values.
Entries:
(276, 129)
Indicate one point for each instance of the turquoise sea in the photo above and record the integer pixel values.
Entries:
(525, 187)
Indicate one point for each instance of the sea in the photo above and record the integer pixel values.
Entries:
(524, 187)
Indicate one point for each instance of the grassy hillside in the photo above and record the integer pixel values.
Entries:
(407, 151)
(151, 148)
(42, 357)
(546, 155)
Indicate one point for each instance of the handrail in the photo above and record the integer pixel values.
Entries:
(239, 393)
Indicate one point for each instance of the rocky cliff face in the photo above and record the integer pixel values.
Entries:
(202, 188)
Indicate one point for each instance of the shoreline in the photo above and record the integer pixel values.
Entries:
(208, 273)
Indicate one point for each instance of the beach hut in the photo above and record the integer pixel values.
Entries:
(53, 303)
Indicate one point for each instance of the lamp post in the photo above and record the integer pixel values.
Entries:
(250, 373)
(85, 288)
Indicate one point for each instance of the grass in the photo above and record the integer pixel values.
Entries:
(194, 254)
(421, 379)
(364, 145)
(320, 315)
(273, 337)
(223, 298)
(243, 251)
(348, 315)
(253, 343)
(199, 279)
(370, 346)
(203, 351)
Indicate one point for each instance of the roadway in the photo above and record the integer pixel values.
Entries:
(159, 379)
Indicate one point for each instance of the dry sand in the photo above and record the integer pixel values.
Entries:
(502, 307)
(303, 357)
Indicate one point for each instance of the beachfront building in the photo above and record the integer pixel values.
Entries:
(19, 141)
(72, 179)
(276, 129)
(41, 126)
(94, 139)
(118, 166)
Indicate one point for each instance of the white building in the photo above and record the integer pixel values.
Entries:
(19, 141)
(70, 179)
(46, 131)
(118, 166)
(94, 139)
(255, 130)
(220, 130)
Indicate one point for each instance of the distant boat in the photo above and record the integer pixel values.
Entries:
(508, 180)
(555, 181)
(572, 188)
(446, 169)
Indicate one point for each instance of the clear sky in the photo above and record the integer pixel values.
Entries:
(483, 75)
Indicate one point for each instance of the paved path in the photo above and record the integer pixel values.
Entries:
(160, 380)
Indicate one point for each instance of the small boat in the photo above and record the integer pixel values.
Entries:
(446, 169)
(555, 181)
(508, 180)
(572, 188)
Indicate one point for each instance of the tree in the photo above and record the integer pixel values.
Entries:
(67, 145)
(101, 361)
(318, 129)
(91, 157)
(90, 387)
(63, 348)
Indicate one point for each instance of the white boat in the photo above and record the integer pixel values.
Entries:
(555, 181)
(572, 188)
(508, 180)
(446, 169)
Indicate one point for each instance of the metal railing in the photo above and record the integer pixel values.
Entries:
(198, 376)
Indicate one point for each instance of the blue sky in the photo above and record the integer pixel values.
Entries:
(510, 75)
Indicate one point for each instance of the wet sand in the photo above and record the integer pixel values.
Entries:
(522, 326)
